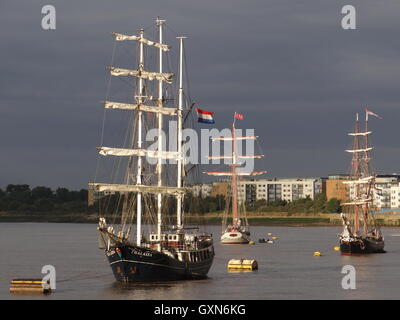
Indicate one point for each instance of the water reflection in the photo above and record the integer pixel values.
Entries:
(153, 290)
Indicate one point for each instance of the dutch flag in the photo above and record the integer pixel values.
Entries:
(205, 116)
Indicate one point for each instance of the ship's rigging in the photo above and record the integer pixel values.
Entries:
(361, 233)
(151, 191)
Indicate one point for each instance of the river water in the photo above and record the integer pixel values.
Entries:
(287, 269)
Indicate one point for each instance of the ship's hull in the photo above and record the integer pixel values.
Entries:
(362, 246)
(235, 237)
(137, 264)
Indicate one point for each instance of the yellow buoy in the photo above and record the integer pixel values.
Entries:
(29, 286)
(274, 238)
(336, 248)
(317, 254)
(252, 242)
(242, 265)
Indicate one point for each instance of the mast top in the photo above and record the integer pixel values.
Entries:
(160, 21)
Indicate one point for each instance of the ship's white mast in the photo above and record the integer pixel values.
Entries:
(139, 99)
(180, 157)
(235, 220)
(160, 121)
(135, 184)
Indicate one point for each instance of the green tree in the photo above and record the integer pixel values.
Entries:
(333, 205)
(41, 193)
(319, 203)
(301, 205)
(12, 205)
(17, 188)
(83, 195)
(221, 202)
(62, 194)
(42, 205)
(18, 192)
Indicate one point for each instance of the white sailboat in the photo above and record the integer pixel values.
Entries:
(235, 226)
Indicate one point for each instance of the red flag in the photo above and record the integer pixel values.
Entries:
(372, 114)
(238, 116)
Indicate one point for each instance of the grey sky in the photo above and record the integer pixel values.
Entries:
(286, 65)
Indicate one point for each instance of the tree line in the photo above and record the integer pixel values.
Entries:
(22, 198)
(304, 205)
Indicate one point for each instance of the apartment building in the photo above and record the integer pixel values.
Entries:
(384, 185)
(335, 188)
(385, 194)
(288, 189)
(202, 190)
(395, 196)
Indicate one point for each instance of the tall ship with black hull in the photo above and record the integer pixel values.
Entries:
(154, 187)
(235, 227)
(360, 234)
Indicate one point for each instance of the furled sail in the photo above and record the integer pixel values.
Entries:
(228, 173)
(357, 202)
(236, 138)
(100, 187)
(130, 106)
(167, 77)
(359, 181)
(121, 152)
(359, 133)
(256, 156)
(123, 37)
(360, 150)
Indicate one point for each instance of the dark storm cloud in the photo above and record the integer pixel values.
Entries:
(286, 65)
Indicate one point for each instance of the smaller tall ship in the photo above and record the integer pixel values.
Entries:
(147, 239)
(235, 226)
(360, 233)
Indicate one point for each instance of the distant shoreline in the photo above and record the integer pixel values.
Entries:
(255, 219)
